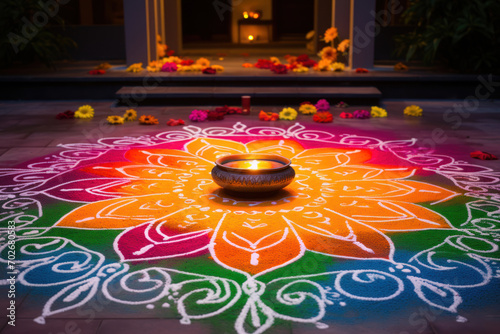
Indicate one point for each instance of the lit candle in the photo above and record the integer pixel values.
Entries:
(245, 105)
(245, 15)
(251, 38)
(253, 164)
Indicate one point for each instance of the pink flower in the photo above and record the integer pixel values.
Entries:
(169, 67)
(361, 114)
(322, 105)
(198, 115)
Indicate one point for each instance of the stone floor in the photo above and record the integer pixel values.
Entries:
(29, 130)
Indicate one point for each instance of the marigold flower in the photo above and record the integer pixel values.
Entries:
(203, 62)
(300, 69)
(135, 68)
(331, 34)
(323, 65)
(115, 119)
(308, 109)
(148, 120)
(268, 116)
(217, 68)
(130, 115)
(323, 117)
(338, 67)
(275, 60)
(328, 53)
(343, 46)
(288, 114)
(400, 67)
(378, 112)
(85, 111)
(413, 110)
(247, 65)
(103, 66)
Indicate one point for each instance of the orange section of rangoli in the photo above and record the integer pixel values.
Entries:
(338, 205)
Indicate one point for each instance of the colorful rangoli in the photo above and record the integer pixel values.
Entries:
(366, 221)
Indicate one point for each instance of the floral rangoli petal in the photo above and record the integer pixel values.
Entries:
(212, 149)
(286, 148)
(144, 242)
(390, 216)
(176, 159)
(358, 173)
(255, 244)
(122, 212)
(332, 234)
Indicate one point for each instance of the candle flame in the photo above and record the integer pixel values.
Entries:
(250, 37)
(254, 164)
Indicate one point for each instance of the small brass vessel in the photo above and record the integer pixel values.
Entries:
(253, 173)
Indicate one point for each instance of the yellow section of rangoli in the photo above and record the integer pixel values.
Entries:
(338, 205)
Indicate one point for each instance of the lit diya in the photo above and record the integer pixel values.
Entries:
(253, 173)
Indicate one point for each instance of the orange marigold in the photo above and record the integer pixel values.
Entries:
(148, 120)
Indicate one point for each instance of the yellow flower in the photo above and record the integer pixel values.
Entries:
(275, 60)
(308, 109)
(115, 119)
(301, 69)
(148, 120)
(103, 66)
(154, 66)
(338, 67)
(196, 67)
(400, 67)
(343, 46)
(130, 115)
(203, 62)
(323, 65)
(85, 111)
(171, 59)
(378, 112)
(288, 114)
(331, 34)
(328, 53)
(134, 68)
(412, 110)
(218, 68)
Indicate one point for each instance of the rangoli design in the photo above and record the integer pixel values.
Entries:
(140, 221)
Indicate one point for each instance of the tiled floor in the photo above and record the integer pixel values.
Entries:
(29, 129)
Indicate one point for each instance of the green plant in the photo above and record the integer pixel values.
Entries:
(28, 32)
(460, 34)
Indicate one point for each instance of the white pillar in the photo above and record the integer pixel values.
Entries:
(140, 30)
(362, 34)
